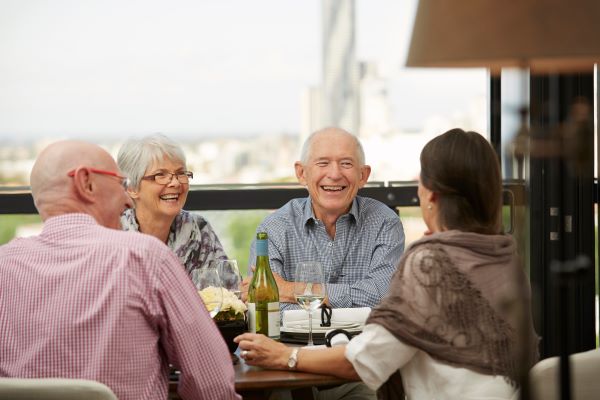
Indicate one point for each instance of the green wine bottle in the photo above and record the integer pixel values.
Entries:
(263, 294)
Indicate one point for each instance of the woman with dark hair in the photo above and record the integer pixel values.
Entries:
(445, 329)
(460, 176)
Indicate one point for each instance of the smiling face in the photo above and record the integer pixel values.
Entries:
(161, 201)
(332, 173)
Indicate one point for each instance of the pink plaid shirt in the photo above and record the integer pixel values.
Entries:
(84, 301)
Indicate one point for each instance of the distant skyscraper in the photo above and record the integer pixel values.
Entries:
(311, 112)
(340, 72)
(375, 113)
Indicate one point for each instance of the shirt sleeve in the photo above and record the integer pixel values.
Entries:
(376, 354)
(190, 338)
(368, 291)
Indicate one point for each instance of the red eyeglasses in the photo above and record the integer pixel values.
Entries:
(124, 180)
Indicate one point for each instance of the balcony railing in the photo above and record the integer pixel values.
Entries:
(18, 200)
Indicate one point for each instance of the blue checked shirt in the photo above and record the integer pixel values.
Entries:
(358, 264)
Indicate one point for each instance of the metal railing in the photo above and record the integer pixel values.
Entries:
(18, 200)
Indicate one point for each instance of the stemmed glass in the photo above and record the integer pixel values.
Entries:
(309, 289)
(231, 279)
(208, 283)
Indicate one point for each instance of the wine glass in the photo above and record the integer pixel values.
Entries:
(207, 281)
(309, 289)
(231, 279)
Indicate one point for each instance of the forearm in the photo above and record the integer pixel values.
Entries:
(330, 361)
(261, 351)
(364, 293)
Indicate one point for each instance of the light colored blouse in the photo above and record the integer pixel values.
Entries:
(376, 354)
(191, 238)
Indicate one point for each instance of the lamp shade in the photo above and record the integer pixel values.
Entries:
(543, 35)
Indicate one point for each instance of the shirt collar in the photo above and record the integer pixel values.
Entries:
(309, 215)
(65, 222)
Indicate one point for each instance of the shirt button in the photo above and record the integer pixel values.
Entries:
(330, 244)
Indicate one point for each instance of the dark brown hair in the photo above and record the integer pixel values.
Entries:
(462, 169)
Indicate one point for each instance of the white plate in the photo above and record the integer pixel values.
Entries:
(302, 326)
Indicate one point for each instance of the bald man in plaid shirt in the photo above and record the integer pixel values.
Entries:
(86, 300)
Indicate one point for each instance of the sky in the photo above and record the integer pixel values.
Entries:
(192, 68)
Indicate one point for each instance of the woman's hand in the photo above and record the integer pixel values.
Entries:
(259, 350)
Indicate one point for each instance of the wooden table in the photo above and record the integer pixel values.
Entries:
(258, 383)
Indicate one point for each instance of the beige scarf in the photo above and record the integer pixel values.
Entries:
(462, 298)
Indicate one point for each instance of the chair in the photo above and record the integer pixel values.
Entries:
(53, 389)
(585, 384)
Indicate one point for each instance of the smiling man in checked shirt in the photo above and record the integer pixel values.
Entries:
(86, 300)
(358, 240)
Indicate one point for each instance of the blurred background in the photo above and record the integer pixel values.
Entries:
(238, 84)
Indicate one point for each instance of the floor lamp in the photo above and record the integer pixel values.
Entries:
(542, 36)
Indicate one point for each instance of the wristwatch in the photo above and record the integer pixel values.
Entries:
(293, 360)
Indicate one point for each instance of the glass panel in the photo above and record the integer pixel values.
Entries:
(236, 230)
(514, 97)
(239, 84)
(413, 224)
(18, 225)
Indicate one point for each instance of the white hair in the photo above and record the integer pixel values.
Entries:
(306, 147)
(136, 155)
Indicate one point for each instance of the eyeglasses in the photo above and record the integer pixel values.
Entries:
(125, 182)
(164, 178)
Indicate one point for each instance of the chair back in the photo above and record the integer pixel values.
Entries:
(585, 384)
(53, 389)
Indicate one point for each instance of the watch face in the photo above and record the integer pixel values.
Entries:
(293, 359)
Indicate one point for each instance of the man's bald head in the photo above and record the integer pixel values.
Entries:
(51, 188)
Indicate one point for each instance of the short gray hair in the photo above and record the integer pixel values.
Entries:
(306, 147)
(136, 155)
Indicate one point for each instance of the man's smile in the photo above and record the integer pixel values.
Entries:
(333, 188)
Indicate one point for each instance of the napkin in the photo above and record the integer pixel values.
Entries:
(338, 316)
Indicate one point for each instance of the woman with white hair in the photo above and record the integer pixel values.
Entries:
(159, 186)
